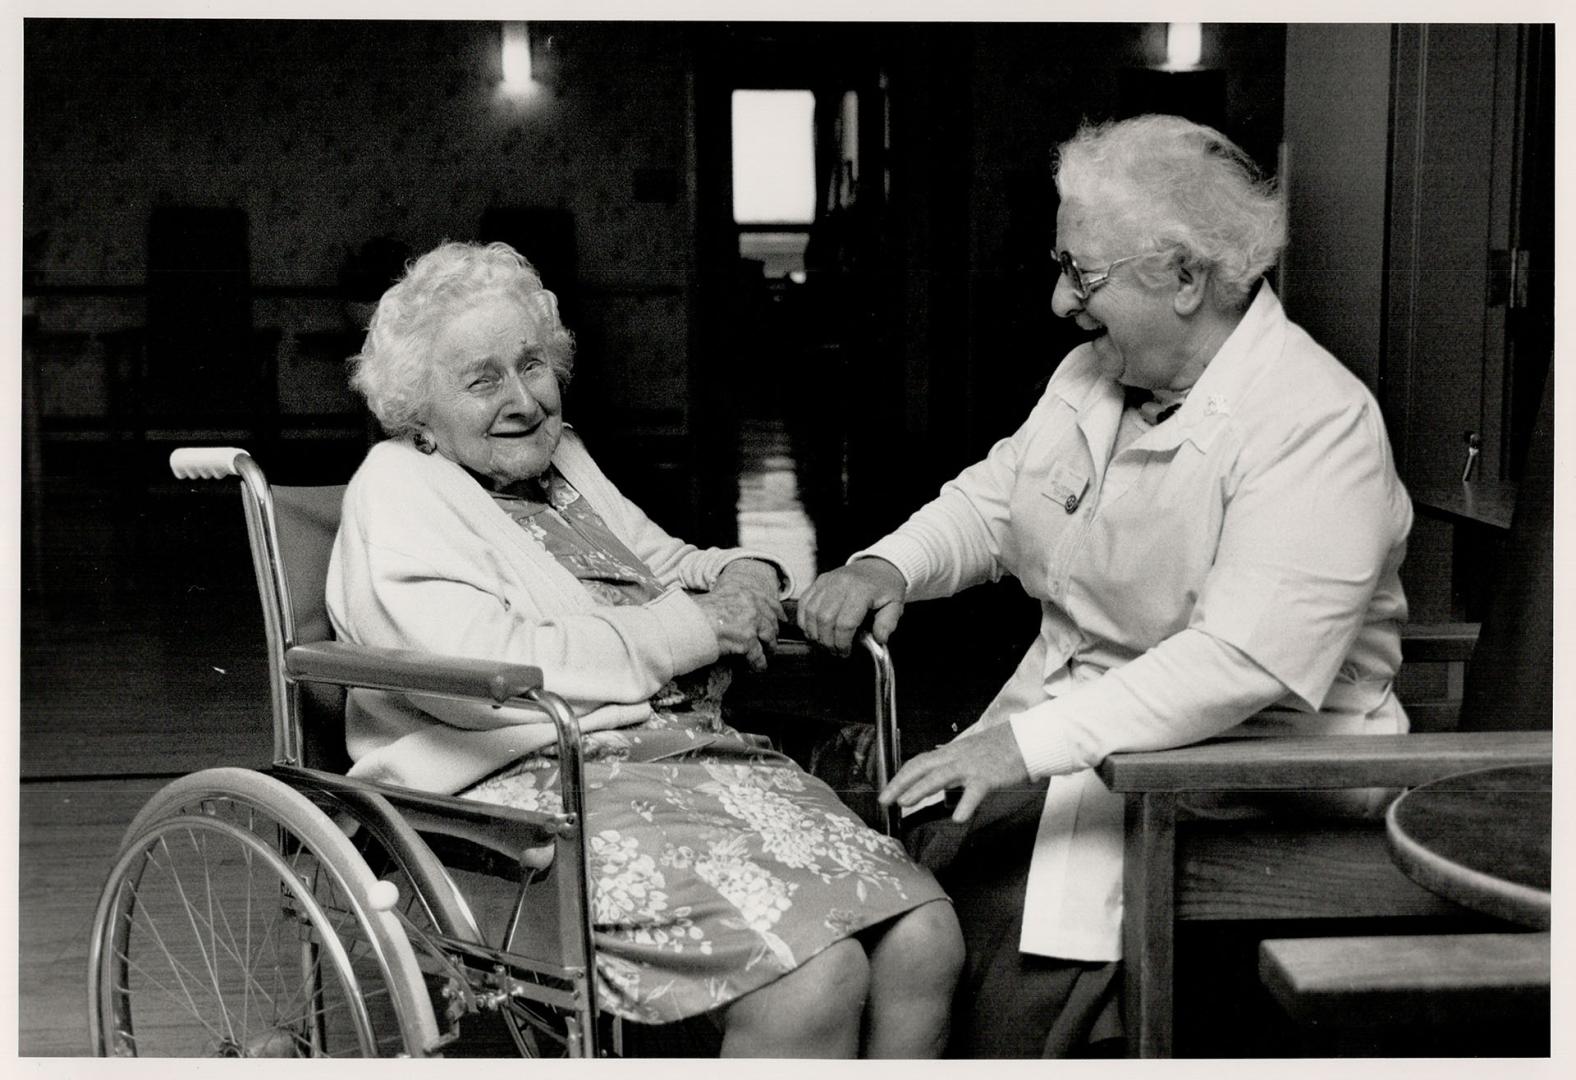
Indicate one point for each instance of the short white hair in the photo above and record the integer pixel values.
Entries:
(393, 370)
(1182, 189)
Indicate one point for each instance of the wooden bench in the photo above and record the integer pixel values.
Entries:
(1490, 990)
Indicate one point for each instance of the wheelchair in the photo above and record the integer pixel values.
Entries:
(293, 911)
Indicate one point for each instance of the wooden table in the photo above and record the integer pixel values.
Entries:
(1480, 839)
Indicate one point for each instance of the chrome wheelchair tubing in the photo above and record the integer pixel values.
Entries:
(573, 865)
(480, 978)
(888, 747)
(443, 904)
(262, 531)
(216, 463)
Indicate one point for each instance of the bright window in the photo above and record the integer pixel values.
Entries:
(773, 157)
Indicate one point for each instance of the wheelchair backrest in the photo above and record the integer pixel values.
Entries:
(306, 520)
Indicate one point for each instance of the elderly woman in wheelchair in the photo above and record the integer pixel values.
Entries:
(725, 879)
(534, 673)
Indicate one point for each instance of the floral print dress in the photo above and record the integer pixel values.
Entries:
(717, 864)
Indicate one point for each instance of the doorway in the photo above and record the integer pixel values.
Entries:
(789, 137)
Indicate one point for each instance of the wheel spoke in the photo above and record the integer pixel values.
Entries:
(201, 844)
(187, 978)
(246, 960)
(176, 966)
(247, 965)
(183, 997)
(242, 952)
(240, 929)
(246, 858)
(191, 917)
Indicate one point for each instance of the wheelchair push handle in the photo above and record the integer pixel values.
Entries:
(889, 753)
(790, 635)
(205, 462)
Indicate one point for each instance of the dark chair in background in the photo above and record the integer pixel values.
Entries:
(1310, 874)
(203, 375)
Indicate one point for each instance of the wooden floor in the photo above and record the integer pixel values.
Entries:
(123, 690)
(69, 833)
(119, 694)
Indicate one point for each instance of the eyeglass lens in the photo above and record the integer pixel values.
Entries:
(1074, 275)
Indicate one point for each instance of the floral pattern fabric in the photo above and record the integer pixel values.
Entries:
(717, 864)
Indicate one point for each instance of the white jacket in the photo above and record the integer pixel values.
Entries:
(1241, 558)
(426, 560)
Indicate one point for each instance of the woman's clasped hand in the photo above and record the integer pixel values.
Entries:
(745, 609)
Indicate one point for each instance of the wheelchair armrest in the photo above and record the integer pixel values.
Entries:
(409, 671)
(1321, 761)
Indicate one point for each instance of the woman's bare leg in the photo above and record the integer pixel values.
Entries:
(913, 970)
(813, 1011)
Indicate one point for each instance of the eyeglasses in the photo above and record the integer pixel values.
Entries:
(1085, 282)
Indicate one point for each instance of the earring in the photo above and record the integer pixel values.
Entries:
(424, 442)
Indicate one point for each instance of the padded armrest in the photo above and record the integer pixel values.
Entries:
(1322, 761)
(1438, 642)
(410, 671)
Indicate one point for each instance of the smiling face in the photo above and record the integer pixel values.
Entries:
(1142, 339)
(494, 404)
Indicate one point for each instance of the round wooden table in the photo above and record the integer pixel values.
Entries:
(1480, 839)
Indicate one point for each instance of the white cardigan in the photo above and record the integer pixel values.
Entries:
(426, 560)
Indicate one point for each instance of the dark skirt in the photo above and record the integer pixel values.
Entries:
(1011, 1004)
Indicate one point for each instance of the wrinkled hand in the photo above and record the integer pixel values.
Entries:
(757, 578)
(744, 609)
(979, 764)
(835, 607)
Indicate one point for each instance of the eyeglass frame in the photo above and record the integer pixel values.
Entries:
(1084, 282)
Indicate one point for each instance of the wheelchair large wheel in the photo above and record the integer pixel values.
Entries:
(238, 922)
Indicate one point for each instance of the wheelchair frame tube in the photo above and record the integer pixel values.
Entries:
(278, 619)
(572, 858)
(888, 745)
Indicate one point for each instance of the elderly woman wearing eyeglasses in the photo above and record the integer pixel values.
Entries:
(1204, 502)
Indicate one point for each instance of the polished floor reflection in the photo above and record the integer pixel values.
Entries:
(772, 515)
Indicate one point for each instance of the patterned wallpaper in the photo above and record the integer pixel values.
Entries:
(329, 133)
